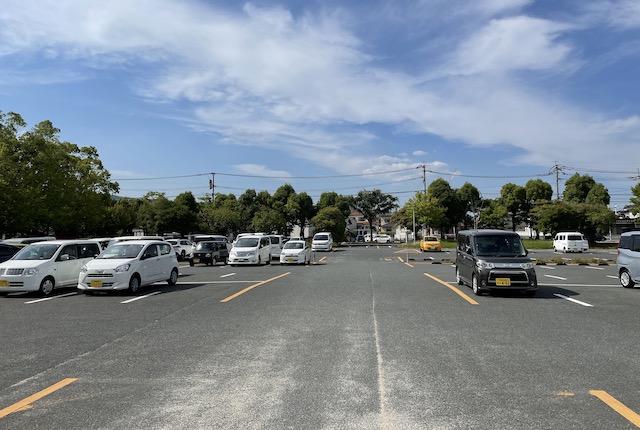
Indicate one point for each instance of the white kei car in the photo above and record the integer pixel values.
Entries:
(295, 252)
(130, 265)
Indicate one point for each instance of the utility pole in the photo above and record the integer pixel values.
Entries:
(212, 187)
(557, 168)
(424, 177)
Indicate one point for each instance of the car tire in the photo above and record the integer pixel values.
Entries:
(625, 279)
(46, 286)
(173, 278)
(269, 260)
(134, 284)
(475, 287)
(191, 263)
(183, 255)
(259, 261)
(459, 280)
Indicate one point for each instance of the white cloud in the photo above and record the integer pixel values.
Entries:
(623, 14)
(516, 43)
(260, 170)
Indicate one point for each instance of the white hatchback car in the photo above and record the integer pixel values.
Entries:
(43, 266)
(295, 252)
(129, 265)
(322, 241)
(251, 250)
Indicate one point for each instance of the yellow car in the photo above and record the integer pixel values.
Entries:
(430, 243)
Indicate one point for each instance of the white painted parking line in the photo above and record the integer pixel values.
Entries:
(228, 274)
(573, 300)
(612, 277)
(51, 298)
(141, 297)
(594, 268)
(546, 267)
(556, 277)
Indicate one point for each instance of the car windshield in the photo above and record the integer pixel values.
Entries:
(499, 245)
(321, 237)
(294, 245)
(119, 251)
(204, 246)
(431, 239)
(37, 252)
(247, 242)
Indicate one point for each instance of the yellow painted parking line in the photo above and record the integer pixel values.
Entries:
(322, 259)
(401, 260)
(454, 289)
(26, 403)
(617, 406)
(251, 287)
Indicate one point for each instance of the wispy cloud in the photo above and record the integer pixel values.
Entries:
(260, 170)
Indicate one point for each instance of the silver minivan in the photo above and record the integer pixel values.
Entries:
(629, 259)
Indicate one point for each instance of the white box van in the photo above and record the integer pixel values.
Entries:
(570, 242)
(43, 266)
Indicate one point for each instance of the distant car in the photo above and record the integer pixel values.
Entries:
(183, 247)
(322, 241)
(570, 242)
(43, 266)
(628, 261)
(382, 238)
(295, 252)
(430, 243)
(209, 253)
(277, 242)
(7, 251)
(359, 238)
(129, 265)
(251, 250)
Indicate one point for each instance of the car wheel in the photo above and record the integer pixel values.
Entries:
(134, 284)
(625, 279)
(269, 260)
(183, 255)
(475, 286)
(458, 278)
(191, 263)
(259, 261)
(173, 278)
(46, 286)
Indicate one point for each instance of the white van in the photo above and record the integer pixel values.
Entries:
(277, 243)
(571, 241)
(322, 241)
(43, 266)
(251, 250)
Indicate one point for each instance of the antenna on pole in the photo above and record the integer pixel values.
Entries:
(424, 177)
(212, 186)
(557, 169)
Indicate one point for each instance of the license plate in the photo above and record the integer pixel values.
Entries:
(290, 260)
(503, 282)
(4, 283)
(196, 260)
(96, 284)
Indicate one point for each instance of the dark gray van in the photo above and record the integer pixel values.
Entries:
(494, 260)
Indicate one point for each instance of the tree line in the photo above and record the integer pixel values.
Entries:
(53, 186)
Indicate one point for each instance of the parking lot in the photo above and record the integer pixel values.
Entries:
(366, 337)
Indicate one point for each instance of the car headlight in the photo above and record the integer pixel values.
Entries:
(526, 266)
(232, 254)
(31, 271)
(485, 264)
(123, 268)
(208, 255)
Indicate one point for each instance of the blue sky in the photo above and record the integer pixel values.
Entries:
(333, 95)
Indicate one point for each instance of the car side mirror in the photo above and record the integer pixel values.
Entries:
(64, 257)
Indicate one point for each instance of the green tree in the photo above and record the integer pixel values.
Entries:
(514, 198)
(185, 217)
(373, 204)
(269, 221)
(471, 201)
(331, 219)
(123, 217)
(333, 199)
(493, 215)
(447, 198)
(584, 189)
(155, 214)
(301, 209)
(635, 200)
(538, 192)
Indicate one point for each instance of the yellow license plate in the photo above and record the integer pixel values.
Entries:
(96, 284)
(4, 283)
(290, 260)
(196, 260)
(503, 282)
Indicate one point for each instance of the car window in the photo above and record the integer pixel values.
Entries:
(37, 252)
(575, 237)
(499, 245)
(88, 251)
(635, 246)
(321, 237)
(151, 251)
(165, 249)
(71, 251)
(294, 245)
(121, 251)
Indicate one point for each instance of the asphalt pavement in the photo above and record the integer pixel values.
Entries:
(367, 337)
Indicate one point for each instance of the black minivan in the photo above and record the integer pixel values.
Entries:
(494, 260)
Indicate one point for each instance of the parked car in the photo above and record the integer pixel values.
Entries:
(359, 238)
(209, 253)
(628, 262)
(7, 251)
(129, 265)
(277, 242)
(251, 250)
(115, 240)
(430, 243)
(570, 242)
(183, 247)
(382, 238)
(295, 252)
(43, 266)
(322, 241)
(24, 241)
(494, 260)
